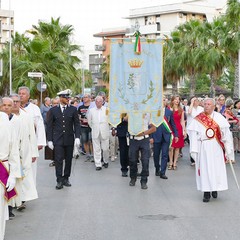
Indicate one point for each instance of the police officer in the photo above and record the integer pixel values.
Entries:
(62, 127)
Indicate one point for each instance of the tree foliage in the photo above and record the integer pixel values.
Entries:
(45, 48)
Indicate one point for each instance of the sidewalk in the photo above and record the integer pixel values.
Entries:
(101, 205)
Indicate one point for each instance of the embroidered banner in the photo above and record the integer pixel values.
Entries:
(136, 83)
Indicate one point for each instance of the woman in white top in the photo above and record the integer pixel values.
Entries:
(193, 110)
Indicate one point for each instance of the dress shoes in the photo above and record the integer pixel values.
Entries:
(132, 182)
(206, 197)
(105, 165)
(214, 194)
(163, 176)
(124, 174)
(98, 168)
(144, 185)
(157, 173)
(66, 183)
(21, 207)
(59, 185)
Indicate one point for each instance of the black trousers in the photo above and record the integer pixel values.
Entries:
(61, 153)
(123, 151)
(143, 147)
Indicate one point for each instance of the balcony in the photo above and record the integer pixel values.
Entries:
(146, 29)
(96, 74)
(100, 48)
(96, 61)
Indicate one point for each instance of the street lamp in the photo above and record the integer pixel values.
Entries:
(10, 50)
(83, 77)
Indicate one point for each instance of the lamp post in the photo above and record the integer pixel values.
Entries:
(238, 74)
(83, 77)
(10, 50)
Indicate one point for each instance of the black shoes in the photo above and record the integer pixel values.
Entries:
(206, 197)
(163, 176)
(214, 194)
(59, 185)
(105, 165)
(124, 174)
(98, 168)
(52, 164)
(144, 185)
(157, 173)
(132, 182)
(66, 183)
(21, 207)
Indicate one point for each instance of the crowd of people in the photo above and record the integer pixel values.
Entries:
(68, 126)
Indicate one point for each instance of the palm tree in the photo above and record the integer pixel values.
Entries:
(50, 52)
(172, 69)
(189, 54)
(215, 55)
(232, 39)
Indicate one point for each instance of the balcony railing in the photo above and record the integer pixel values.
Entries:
(100, 48)
(96, 61)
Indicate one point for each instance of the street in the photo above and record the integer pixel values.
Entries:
(101, 205)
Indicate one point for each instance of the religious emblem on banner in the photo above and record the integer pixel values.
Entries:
(135, 83)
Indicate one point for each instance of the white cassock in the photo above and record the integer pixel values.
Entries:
(28, 149)
(98, 121)
(9, 150)
(209, 154)
(34, 111)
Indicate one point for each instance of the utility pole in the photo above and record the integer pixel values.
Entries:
(10, 49)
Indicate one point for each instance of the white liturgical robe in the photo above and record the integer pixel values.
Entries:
(28, 149)
(34, 111)
(9, 150)
(210, 163)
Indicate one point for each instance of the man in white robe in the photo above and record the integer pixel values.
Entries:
(211, 144)
(34, 111)
(28, 150)
(9, 159)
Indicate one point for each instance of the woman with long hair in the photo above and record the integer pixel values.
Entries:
(178, 115)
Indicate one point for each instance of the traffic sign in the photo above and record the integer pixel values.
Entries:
(41, 86)
(35, 74)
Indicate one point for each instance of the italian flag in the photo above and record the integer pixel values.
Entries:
(137, 46)
(167, 126)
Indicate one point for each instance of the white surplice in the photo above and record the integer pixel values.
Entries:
(210, 160)
(28, 149)
(9, 150)
(34, 111)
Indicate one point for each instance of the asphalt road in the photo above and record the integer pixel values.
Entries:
(101, 205)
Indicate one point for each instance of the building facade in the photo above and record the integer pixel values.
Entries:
(156, 22)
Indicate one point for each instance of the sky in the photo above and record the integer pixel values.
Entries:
(87, 17)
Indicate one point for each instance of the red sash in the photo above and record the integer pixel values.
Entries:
(3, 180)
(208, 122)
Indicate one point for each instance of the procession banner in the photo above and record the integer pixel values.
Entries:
(136, 83)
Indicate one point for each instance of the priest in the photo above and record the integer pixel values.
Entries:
(211, 145)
